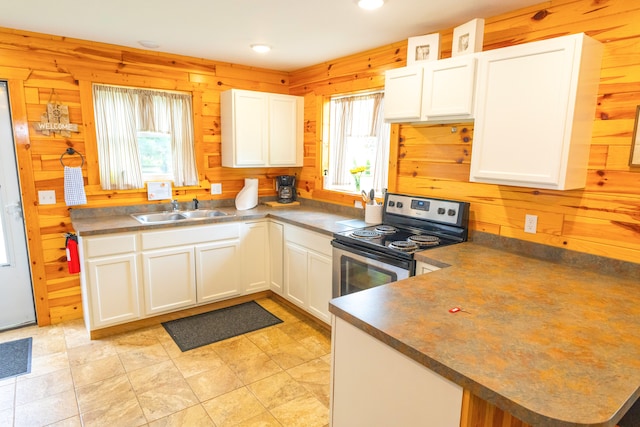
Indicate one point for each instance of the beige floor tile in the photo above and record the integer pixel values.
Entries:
(69, 422)
(291, 355)
(270, 339)
(196, 361)
(46, 364)
(214, 382)
(104, 393)
(102, 369)
(303, 412)
(142, 378)
(29, 389)
(166, 399)
(277, 390)
(254, 367)
(143, 356)
(119, 413)
(264, 419)
(91, 352)
(234, 348)
(135, 340)
(194, 416)
(233, 408)
(315, 377)
(46, 411)
(48, 341)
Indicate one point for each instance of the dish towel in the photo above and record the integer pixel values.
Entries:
(74, 187)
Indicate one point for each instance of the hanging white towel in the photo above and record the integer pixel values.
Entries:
(74, 187)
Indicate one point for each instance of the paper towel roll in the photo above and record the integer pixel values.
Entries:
(247, 198)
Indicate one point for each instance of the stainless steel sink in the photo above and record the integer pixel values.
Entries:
(169, 217)
(159, 217)
(202, 213)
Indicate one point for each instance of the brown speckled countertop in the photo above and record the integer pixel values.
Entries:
(551, 344)
(316, 217)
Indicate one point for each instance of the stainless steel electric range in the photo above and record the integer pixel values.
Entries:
(383, 253)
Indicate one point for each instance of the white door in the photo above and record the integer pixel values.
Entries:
(16, 295)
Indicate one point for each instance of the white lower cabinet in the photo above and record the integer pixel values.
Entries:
(130, 276)
(169, 279)
(375, 385)
(307, 270)
(276, 257)
(110, 280)
(254, 262)
(218, 271)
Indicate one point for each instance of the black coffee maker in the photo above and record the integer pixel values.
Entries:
(286, 188)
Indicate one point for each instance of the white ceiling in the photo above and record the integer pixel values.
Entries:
(301, 32)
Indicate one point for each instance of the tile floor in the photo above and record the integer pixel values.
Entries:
(277, 376)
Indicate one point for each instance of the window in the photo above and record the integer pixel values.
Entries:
(143, 135)
(357, 154)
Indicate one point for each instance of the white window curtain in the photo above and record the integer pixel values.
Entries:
(120, 113)
(358, 116)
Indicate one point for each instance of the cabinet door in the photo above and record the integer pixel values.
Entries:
(245, 129)
(403, 94)
(276, 256)
(296, 272)
(255, 258)
(113, 290)
(285, 130)
(534, 113)
(319, 285)
(448, 89)
(169, 279)
(218, 270)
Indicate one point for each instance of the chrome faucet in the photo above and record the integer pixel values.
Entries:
(174, 205)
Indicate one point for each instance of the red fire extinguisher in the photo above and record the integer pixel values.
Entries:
(73, 259)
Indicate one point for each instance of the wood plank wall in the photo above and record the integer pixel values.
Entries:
(602, 219)
(41, 67)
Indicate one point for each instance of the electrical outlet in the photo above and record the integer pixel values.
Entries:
(358, 204)
(216, 188)
(47, 197)
(530, 223)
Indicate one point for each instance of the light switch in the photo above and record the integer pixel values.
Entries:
(216, 188)
(47, 197)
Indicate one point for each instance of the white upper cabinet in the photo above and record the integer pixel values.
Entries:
(403, 94)
(448, 89)
(534, 113)
(436, 91)
(261, 129)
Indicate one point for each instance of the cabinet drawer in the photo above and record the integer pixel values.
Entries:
(309, 239)
(110, 245)
(189, 235)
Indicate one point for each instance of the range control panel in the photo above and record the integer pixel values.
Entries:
(438, 210)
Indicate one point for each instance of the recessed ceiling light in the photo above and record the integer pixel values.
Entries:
(149, 44)
(370, 4)
(261, 48)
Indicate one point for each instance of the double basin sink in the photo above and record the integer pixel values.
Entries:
(176, 216)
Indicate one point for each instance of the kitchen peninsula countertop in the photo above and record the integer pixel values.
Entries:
(551, 344)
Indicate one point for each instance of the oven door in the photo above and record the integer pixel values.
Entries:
(356, 269)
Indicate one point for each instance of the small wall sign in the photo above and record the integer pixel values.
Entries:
(56, 120)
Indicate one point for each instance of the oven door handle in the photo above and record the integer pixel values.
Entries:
(371, 254)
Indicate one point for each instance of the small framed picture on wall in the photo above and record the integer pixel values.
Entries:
(423, 48)
(468, 37)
